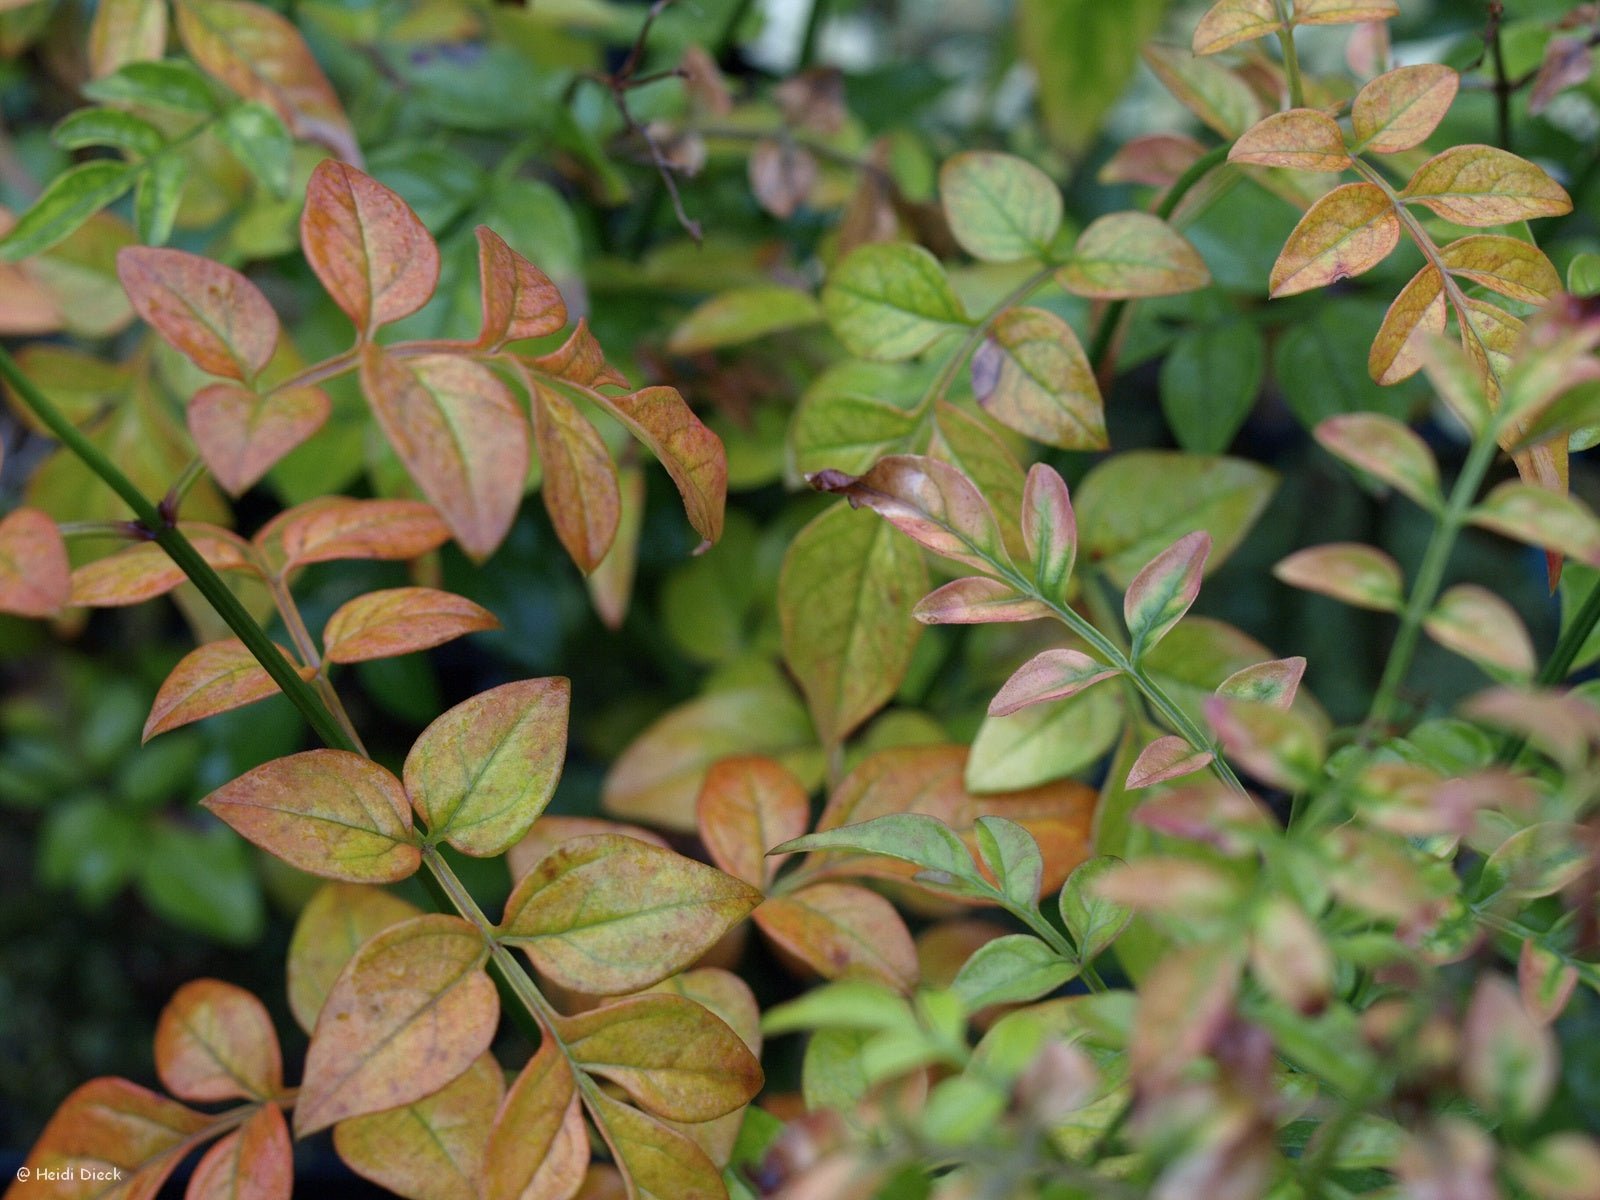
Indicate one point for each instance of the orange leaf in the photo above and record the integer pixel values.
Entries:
(461, 435)
(841, 930)
(329, 812)
(400, 621)
(658, 1162)
(747, 806)
(241, 434)
(215, 1041)
(1350, 230)
(1302, 138)
(214, 678)
(367, 247)
(579, 360)
(690, 452)
(411, 1011)
(580, 487)
(341, 528)
(671, 1055)
(1400, 109)
(1484, 185)
(538, 1149)
(143, 571)
(110, 1127)
(35, 579)
(334, 924)
(519, 300)
(255, 1162)
(483, 772)
(262, 56)
(433, 1147)
(609, 914)
(210, 312)
(1419, 311)
(1230, 23)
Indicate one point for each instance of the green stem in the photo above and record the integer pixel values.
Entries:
(166, 535)
(814, 24)
(1105, 330)
(1572, 641)
(1431, 575)
(1291, 60)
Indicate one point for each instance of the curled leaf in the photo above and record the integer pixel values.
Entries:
(977, 600)
(538, 1148)
(1165, 759)
(1165, 589)
(143, 571)
(519, 300)
(1418, 313)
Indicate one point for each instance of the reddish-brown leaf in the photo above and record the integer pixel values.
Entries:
(241, 434)
(609, 914)
(214, 678)
(747, 806)
(254, 1162)
(329, 812)
(461, 435)
(580, 488)
(579, 360)
(143, 571)
(262, 56)
(842, 931)
(1418, 312)
(1154, 160)
(367, 247)
(482, 773)
(432, 1148)
(538, 1148)
(215, 1041)
(672, 1056)
(110, 1127)
(341, 528)
(35, 578)
(1350, 230)
(977, 600)
(1165, 759)
(210, 312)
(690, 452)
(1343, 12)
(1183, 1004)
(519, 301)
(400, 621)
(1048, 675)
(410, 1012)
(334, 924)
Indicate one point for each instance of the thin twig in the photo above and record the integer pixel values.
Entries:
(1502, 84)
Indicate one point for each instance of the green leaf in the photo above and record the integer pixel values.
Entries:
(484, 771)
(1000, 208)
(1209, 384)
(743, 315)
(1583, 275)
(1134, 505)
(156, 199)
(1093, 921)
(171, 83)
(1129, 255)
(845, 598)
(1044, 742)
(1031, 373)
(256, 137)
(850, 1004)
(1015, 969)
(203, 881)
(1083, 52)
(1013, 857)
(1319, 363)
(921, 840)
(71, 198)
(607, 914)
(890, 301)
(108, 127)
(853, 414)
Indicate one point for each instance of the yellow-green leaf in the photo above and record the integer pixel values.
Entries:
(1302, 138)
(1132, 254)
(1218, 96)
(1418, 312)
(608, 914)
(1001, 208)
(410, 1012)
(538, 1149)
(1484, 185)
(1477, 624)
(482, 773)
(1356, 574)
(890, 301)
(1507, 265)
(1350, 230)
(743, 315)
(1031, 373)
(334, 924)
(658, 1162)
(1230, 23)
(329, 812)
(1401, 108)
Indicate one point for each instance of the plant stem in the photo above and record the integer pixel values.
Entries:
(1291, 60)
(814, 23)
(1105, 330)
(1431, 574)
(283, 599)
(164, 532)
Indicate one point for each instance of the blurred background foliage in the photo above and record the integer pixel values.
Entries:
(483, 113)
